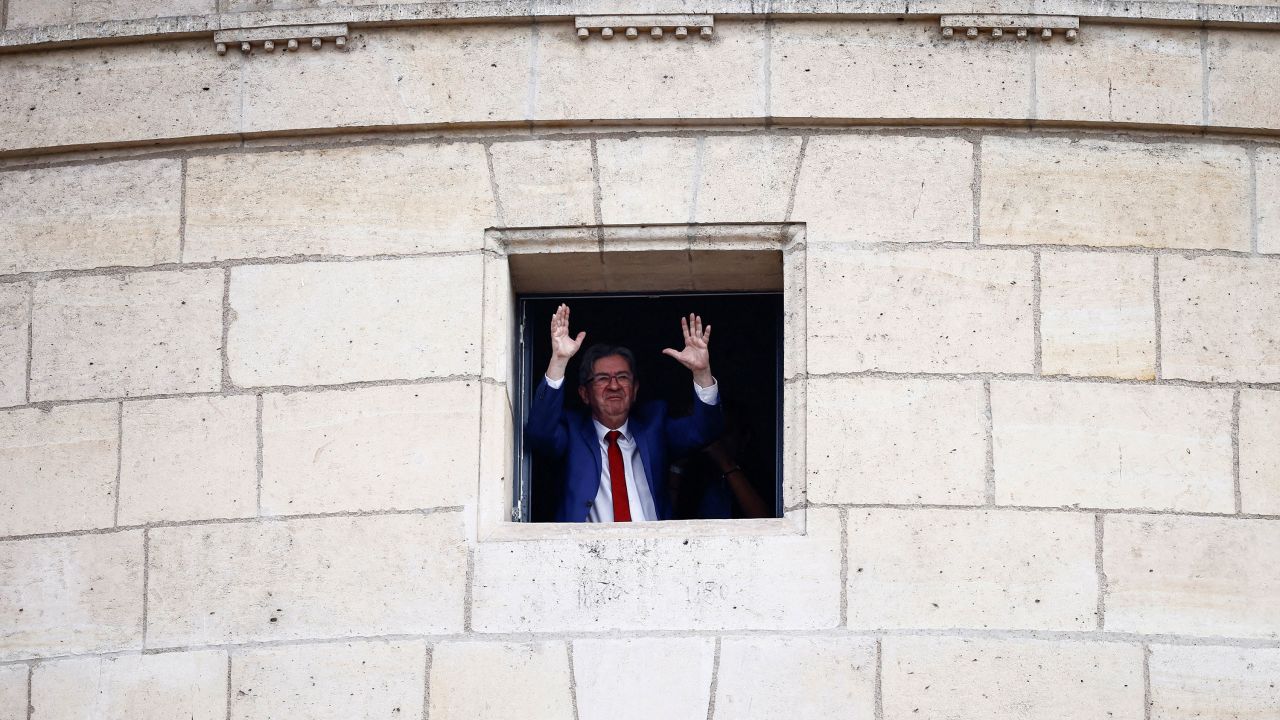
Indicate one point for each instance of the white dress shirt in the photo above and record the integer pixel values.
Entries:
(639, 498)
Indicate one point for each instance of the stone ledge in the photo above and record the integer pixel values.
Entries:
(1116, 11)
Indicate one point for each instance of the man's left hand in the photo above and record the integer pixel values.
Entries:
(696, 356)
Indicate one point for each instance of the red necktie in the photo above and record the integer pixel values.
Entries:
(618, 479)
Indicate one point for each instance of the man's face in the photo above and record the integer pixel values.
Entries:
(610, 401)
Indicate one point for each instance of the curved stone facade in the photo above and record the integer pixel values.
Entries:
(257, 377)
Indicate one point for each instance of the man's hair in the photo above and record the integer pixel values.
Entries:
(601, 350)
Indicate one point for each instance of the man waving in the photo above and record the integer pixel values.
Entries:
(615, 460)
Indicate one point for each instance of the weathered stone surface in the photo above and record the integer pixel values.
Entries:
(1097, 315)
(936, 677)
(1268, 197)
(711, 583)
(58, 468)
(875, 188)
(1192, 575)
(647, 179)
(70, 595)
(532, 681)
(920, 311)
(544, 183)
(29, 13)
(86, 216)
(722, 78)
(142, 687)
(328, 323)
(1056, 191)
(329, 681)
(405, 76)
(13, 692)
(745, 179)
(144, 333)
(1259, 453)
(1240, 61)
(1214, 682)
(1122, 73)
(313, 578)
(380, 448)
(343, 201)
(804, 678)
(1112, 446)
(1217, 319)
(971, 569)
(616, 679)
(188, 459)
(15, 304)
(896, 441)
(118, 93)
(827, 69)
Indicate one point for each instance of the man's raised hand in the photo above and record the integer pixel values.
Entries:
(563, 346)
(696, 356)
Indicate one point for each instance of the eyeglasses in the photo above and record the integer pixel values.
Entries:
(604, 379)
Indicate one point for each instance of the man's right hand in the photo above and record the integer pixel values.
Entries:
(563, 346)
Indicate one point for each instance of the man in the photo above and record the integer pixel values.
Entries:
(615, 461)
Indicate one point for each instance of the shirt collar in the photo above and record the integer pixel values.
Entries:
(601, 430)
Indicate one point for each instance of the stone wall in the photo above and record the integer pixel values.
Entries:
(255, 363)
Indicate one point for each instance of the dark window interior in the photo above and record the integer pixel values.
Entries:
(746, 359)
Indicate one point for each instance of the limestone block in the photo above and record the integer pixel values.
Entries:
(532, 678)
(1122, 74)
(141, 687)
(720, 78)
(1192, 575)
(343, 201)
(1259, 453)
(329, 323)
(647, 179)
(188, 459)
(1241, 66)
(1098, 315)
(1217, 319)
(143, 92)
(1103, 193)
(144, 333)
(15, 311)
(86, 216)
(616, 679)
(1226, 682)
(948, 311)
(31, 13)
(13, 692)
(886, 69)
(58, 468)
(379, 448)
(745, 179)
(709, 583)
(936, 677)
(329, 681)
(312, 578)
(410, 76)
(972, 569)
(876, 188)
(896, 441)
(543, 183)
(71, 594)
(1112, 446)
(1268, 197)
(804, 678)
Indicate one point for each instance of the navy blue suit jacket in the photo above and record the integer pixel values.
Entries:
(570, 437)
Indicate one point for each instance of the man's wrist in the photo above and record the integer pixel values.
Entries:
(704, 379)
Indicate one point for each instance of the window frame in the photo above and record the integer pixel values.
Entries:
(555, 250)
